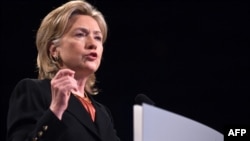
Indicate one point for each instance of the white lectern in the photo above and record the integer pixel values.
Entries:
(151, 123)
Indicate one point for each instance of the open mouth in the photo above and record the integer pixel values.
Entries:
(92, 56)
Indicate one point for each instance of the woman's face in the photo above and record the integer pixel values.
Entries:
(81, 47)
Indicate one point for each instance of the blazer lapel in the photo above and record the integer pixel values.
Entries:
(76, 109)
(102, 119)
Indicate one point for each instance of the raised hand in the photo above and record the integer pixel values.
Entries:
(61, 86)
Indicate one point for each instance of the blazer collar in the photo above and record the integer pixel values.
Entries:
(102, 117)
(78, 111)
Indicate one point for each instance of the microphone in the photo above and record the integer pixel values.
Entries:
(142, 98)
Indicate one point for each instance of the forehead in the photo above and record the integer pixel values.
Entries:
(84, 21)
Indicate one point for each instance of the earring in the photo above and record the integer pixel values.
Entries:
(55, 58)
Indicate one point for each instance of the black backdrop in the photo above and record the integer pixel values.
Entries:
(190, 57)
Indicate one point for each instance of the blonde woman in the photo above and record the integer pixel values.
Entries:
(58, 106)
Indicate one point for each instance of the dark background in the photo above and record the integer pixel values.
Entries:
(190, 57)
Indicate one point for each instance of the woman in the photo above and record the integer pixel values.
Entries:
(58, 106)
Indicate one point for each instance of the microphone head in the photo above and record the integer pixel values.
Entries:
(142, 98)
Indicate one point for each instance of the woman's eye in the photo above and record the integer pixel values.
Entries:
(99, 38)
(79, 34)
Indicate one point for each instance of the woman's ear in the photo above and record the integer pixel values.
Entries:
(53, 50)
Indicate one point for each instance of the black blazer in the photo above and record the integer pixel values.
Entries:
(29, 117)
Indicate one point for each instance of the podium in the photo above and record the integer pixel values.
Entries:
(151, 123)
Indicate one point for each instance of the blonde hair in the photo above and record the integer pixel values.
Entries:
(52, 28)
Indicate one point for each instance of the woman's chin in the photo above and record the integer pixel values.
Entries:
(91, 67)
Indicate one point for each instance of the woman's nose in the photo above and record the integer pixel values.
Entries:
(91, 43)
(91, 46)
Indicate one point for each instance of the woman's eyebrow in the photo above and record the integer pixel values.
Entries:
(96, 32)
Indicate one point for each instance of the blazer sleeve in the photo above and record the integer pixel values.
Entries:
(29, 117)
